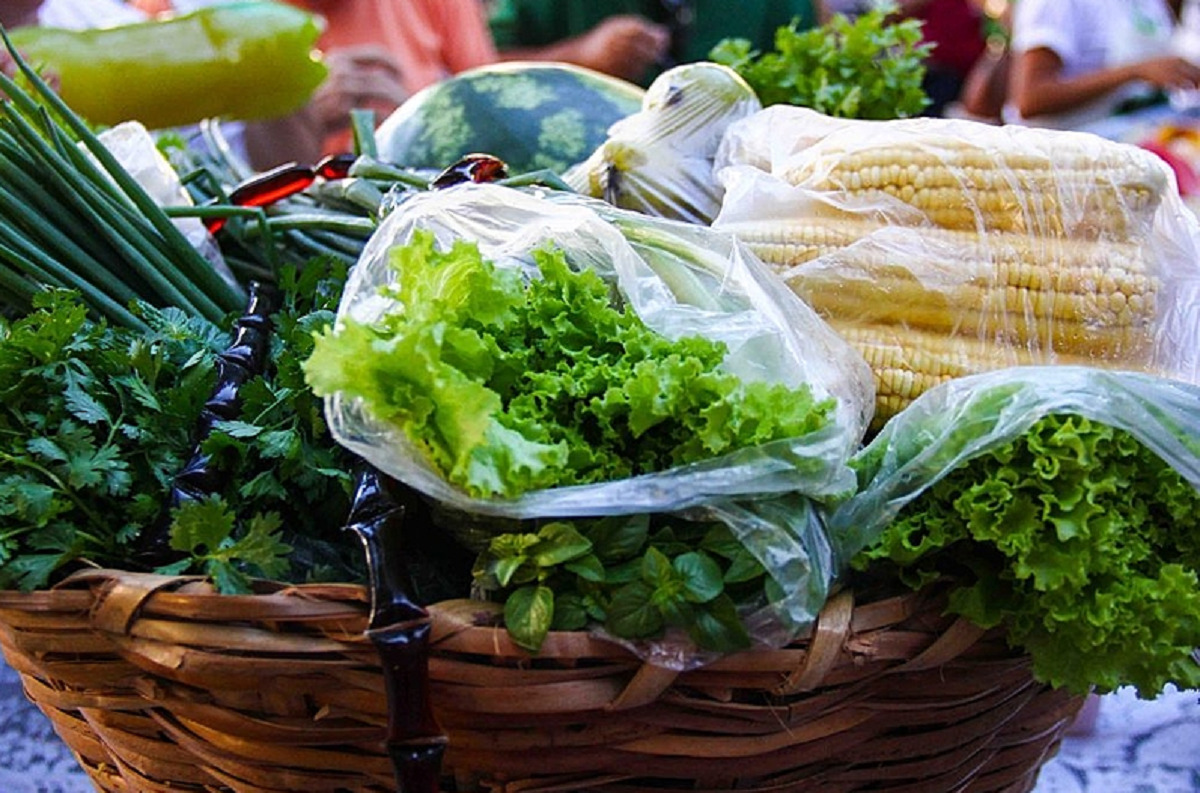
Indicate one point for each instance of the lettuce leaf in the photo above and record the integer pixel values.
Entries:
(1077, 539)
(510, 385)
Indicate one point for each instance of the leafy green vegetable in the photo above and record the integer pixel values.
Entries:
(205, 531)
(867, 68)
(511, 386)
(636, 576)
(98, 420)
(1078, 540)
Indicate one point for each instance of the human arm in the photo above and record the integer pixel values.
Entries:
(624, 46)
(986, 87)
(359, 77)
(1038, 86)
(466, 39)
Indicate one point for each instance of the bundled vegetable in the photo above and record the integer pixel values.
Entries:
(868, 67)
(81, 221)
(659, 161)
(101, 420)
(1060, 503)
(940, 247)
(637, 576)
(508, 387)
(571, 360)
(248, 60)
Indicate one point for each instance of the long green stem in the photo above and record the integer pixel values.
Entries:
(94, 205)
(185, 260)
(28, 232)
(32, 262)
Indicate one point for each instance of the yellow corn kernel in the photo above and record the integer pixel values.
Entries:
(907, 362)
(1087, 190)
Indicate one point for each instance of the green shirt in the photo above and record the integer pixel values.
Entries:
(536, 23)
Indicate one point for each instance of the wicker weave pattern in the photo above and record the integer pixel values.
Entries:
(159, 684)
(889, 695)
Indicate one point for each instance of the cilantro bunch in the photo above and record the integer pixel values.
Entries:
(1076, 538)
(97, 421)
(868, 68)
(638, 576)
(510, 386)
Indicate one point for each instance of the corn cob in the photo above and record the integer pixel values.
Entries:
(1079, 187)
(1073, 296)
(908, 362)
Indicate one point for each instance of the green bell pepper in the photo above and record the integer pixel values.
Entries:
(248, 60)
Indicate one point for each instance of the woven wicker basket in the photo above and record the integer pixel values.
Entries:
(156, 683)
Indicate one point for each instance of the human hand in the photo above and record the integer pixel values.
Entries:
(359, 77)
(1169, 71)
(623, 46)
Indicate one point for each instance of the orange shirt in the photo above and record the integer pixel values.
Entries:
(431, 39)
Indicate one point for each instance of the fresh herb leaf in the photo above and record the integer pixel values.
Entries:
(664, 580)
(528, 614)
(869, 68)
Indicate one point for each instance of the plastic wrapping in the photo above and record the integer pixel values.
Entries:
(659, 160)
(134, 147)
(681, 280)
(948, 425)
(942, 247)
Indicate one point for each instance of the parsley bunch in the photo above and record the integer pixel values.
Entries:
(97, 421)
(867, 68)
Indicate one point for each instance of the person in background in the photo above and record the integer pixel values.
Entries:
(955, 29)
(985, 89)
(71, 14)
(636, 39)
(1077, 62)
(378, 53)
(381, 52)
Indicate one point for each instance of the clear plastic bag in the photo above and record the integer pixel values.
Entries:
(659, 161)
(681, 280)
(941, 248)
(959, 420)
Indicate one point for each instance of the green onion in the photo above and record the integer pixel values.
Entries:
(102, 234)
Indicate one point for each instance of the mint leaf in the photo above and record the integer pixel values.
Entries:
(702, 577)
(528, 615)
(716, 626)
(559, 543)
(632, 615)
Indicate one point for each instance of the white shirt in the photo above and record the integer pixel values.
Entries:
(1088, 35)
(84, 14)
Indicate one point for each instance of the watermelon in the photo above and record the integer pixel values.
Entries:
(531, 115)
